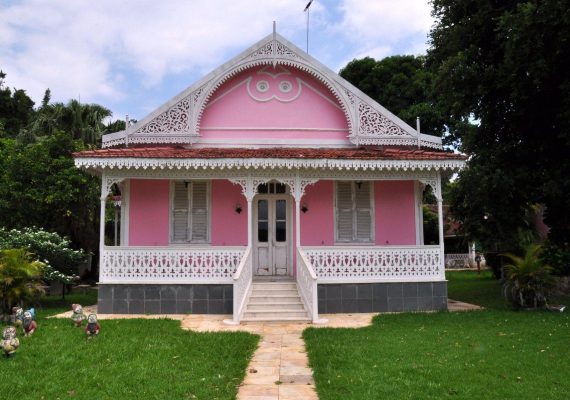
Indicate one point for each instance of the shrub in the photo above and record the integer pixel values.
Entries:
(50, 248)
(20, 278)
(528, 280)
(558, 256)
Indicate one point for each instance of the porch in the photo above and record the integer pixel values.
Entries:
(219, 279)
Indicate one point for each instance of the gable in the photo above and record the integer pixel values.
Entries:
(273, 105)
(179, 121)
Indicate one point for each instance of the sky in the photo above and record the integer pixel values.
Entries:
(132, 56)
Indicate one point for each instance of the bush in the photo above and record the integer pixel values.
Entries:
(558, 256)
(48, 247)
(528, 281)
(19, 278)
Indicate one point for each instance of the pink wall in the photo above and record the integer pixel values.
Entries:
(297, 113)
(149, 206)
(317, 224)
(228, 227)
(395, 213)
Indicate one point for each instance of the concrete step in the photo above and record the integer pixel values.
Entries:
(275, 306)
(291, 320)
(270, 315)
(275, 292)
(274, 285)
(257, 299)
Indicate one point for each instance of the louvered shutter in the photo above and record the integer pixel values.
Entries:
(344, 226)
(199, 217)
(180, 212)
(363, 217)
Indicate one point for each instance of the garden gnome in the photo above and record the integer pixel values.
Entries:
(9, 342)
(93, 327)
(29, 324)
(17, 316)
(78, 316)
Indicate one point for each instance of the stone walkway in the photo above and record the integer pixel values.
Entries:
(279, 368)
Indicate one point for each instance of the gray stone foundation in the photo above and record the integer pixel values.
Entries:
(382, 297)
(165, 299)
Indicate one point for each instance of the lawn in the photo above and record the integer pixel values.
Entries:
(492, 354)
(130, 359)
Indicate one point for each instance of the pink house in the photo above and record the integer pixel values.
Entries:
(270, 189)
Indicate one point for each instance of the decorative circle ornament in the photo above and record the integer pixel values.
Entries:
(285, 86)
(262, 86)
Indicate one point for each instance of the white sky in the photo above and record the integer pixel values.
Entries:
(132, 56)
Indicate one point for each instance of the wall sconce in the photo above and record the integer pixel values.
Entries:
(359, 184)
(304, 208)
(238, 208)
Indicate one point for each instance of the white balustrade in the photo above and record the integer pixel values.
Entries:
(307, 284)
(379, 263)
(169, 264)
(242, 285)
(459, 260)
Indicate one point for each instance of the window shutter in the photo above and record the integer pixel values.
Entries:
(199, 220)
(344, 211)
(180, 212)
(363, 212)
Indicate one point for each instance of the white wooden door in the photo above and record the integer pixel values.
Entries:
(272, 235)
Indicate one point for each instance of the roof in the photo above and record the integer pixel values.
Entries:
(178, 120)
(360, 153)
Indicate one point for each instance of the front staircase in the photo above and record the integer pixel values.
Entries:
(275, 301)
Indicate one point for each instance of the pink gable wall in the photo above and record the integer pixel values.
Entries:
(317, 224)
(149, 206)
(395, 213)
(228, 227)
(306, 109)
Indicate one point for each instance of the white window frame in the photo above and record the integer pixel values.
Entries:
(189, 216)
(372, 216)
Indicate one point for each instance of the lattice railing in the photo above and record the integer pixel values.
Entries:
(307, 284)
(352, 263)
(242, 285)
(169, 264)
(459, 260)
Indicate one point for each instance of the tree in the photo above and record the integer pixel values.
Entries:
(402, 84)
(506, 66)
(40, 186)
(16, 109)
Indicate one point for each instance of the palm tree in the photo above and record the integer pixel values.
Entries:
(528, 281)
(19, 278)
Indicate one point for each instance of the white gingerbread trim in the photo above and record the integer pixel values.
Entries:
(178, 121)
(264, 163)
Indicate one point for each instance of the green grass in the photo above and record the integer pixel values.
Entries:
(130, 359)
(492, 354)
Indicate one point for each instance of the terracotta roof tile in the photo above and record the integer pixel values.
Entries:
(363, 153)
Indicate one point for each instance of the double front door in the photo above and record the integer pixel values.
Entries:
(272, 235)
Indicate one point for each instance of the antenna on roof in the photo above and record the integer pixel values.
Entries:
(308, 11)
(274, 29)
(418, 129)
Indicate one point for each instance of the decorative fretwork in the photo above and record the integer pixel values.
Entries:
(162, 264)
(381, 263)
(373, 123)
(268, 164)
(173, 120)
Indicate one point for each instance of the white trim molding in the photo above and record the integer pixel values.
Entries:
(126, 163)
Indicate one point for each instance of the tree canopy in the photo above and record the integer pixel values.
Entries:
(506, 66)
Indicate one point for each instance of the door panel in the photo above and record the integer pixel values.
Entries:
(272, 236)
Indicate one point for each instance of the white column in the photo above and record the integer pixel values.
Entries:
(440, 224)
(297, 195)
(103, 198)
